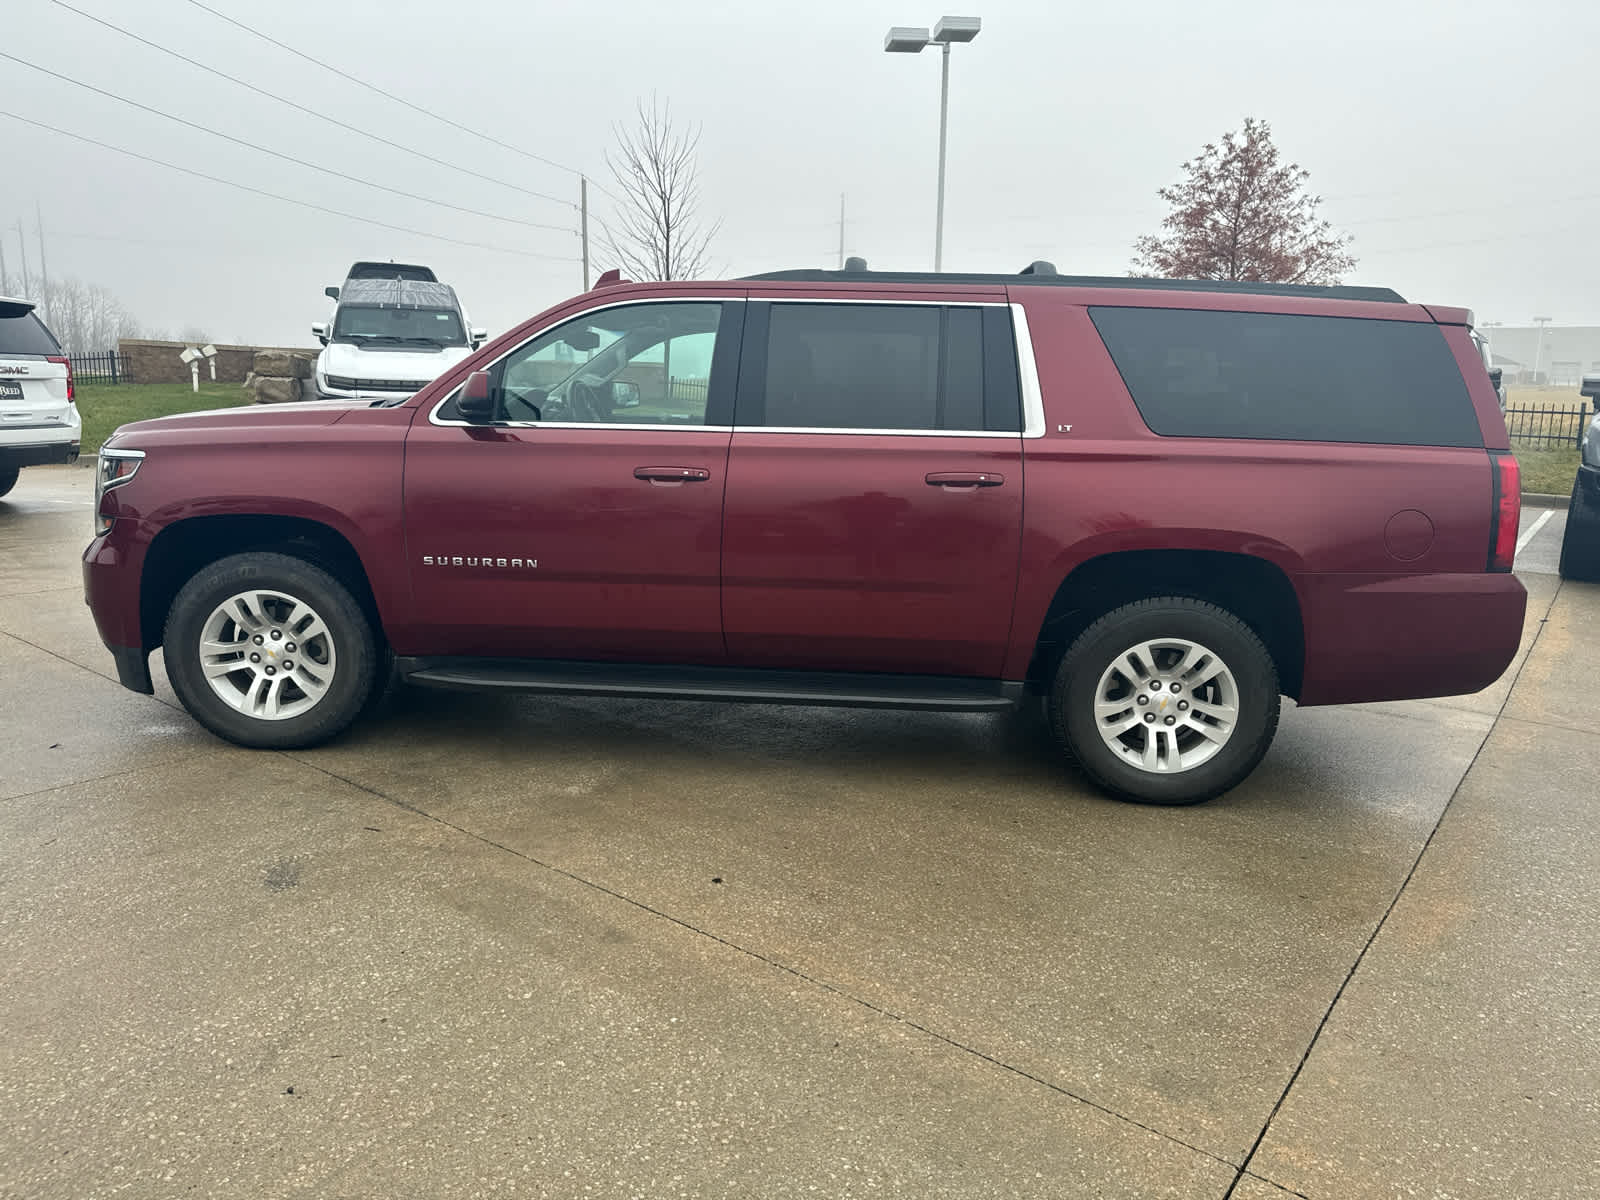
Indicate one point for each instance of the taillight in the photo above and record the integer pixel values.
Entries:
(66, 362)
(1507, 511)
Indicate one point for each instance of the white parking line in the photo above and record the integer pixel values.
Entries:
(1522, 542)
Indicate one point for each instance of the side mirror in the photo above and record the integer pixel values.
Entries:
(320, 330)
(624, 394)
(332, 293)
(477, 335)
(476, 403)
(1591, 388)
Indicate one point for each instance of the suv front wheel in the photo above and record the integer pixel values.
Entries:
(1166, 701)
(269, 651)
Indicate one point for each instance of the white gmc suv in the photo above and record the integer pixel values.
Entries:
(39, 422)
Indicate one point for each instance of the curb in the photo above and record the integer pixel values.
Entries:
(1544, 500)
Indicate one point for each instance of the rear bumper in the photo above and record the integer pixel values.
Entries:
(41, 455)
(1375, 637)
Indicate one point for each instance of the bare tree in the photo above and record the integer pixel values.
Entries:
(657, 232)
(86, 318)
(1239, 213)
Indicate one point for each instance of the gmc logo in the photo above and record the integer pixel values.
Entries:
(10, 370)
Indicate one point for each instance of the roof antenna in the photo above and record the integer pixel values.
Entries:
(1039, 267)
(855, 264)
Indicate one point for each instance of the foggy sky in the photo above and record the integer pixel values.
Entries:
(1455, 140)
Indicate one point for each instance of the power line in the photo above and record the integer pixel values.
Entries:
(374, 88)
(245, 187)
(276, 154)
(309, 111)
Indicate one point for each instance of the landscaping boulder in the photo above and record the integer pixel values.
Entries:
(280, 364)
(277, 391)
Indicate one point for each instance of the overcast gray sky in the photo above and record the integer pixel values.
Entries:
(1456, 139)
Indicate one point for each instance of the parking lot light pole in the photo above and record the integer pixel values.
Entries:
(1538, 353)
(904, 39)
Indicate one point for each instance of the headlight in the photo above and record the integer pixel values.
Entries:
(115, 468)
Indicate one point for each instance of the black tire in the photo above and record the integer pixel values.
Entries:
(8, 478)
(1108, 641)
(1580, 542)
(356, 673)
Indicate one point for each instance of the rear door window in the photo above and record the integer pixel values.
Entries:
(1275, 376)
(24, 333)
(915, 368)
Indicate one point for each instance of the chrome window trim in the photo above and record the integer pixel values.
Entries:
(837, 430)
(1032, 408)
(1028, 376)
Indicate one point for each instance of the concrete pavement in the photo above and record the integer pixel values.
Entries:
(565, 948)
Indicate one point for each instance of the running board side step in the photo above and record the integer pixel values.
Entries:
(736, 684)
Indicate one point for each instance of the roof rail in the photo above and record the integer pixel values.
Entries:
(1042, 274)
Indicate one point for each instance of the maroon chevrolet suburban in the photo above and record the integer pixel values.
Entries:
(1159, 504)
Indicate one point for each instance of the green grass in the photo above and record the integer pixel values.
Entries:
(104, 407)
(1548, 471)
(1545, 397)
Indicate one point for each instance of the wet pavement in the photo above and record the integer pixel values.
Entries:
(524, 946)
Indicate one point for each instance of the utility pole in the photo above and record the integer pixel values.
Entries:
(841, 231)
(5, 285)
(1538, 353)
(22, 245)
(583, 205)
(44, 271)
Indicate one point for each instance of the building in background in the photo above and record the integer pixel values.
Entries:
(1566, 353)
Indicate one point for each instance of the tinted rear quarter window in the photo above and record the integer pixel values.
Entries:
(1281, 377)
(23, 333)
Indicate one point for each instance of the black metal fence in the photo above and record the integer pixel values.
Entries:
(109, 367)
(1548, 428)
(687, 391)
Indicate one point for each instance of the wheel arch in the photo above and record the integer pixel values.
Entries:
(186, 546)
(1254, 589)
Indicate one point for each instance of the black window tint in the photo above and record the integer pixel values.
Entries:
(23, 333)
(1195, 373)
(961, 405)
(853, 366)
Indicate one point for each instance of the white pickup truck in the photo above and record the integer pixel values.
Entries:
(39, 422)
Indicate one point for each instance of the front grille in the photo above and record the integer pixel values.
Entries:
(348, 384)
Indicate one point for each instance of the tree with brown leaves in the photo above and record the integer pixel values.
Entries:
(1240, 214)
(657, 233)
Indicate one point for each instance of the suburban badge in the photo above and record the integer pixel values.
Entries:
(458, 560)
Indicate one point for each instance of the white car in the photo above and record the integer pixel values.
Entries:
(389, 338)
(39, 422)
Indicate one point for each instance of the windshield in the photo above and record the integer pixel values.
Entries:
(367, 324)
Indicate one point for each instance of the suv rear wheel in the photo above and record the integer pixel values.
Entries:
(1166, 701)
(271, 652)
(8, 479)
